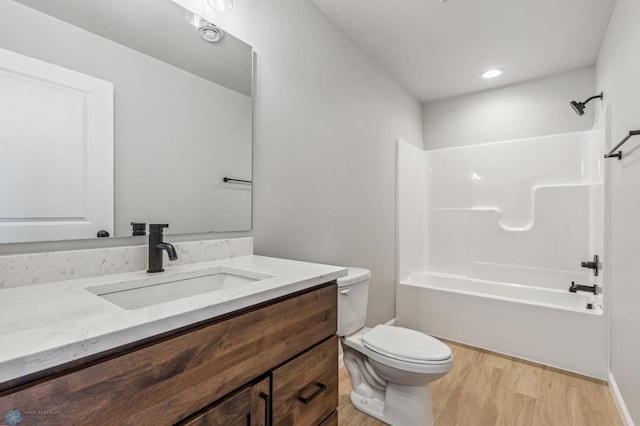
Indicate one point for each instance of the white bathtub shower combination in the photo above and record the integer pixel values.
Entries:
(490, 238)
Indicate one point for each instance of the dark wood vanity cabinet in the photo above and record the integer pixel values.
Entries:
(275, 363)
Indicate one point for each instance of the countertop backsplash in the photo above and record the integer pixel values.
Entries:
(39, 268)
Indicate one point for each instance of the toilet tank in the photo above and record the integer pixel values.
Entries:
(353, 293)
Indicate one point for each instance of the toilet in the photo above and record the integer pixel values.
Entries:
(390, 367)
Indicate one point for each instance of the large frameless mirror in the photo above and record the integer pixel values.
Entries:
(181, 120)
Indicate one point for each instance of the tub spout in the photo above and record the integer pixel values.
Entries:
(574, 288)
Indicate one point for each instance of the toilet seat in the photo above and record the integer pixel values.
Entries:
(406, 345)
(355, 342)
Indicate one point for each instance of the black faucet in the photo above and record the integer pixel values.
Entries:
(156, 246)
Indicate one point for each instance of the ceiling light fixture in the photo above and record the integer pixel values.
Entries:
(493, 73)
(207, 30)
(221, 5)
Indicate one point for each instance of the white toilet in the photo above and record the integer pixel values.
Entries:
(390, 367)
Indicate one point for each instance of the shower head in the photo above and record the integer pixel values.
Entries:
(578, 107)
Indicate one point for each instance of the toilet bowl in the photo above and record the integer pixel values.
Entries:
(390, 367)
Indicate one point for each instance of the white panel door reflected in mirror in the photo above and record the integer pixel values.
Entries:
(56, 151)
(182, 106)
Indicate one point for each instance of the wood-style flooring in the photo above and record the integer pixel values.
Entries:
(487, 389)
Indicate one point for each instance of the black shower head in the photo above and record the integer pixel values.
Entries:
(578, 107)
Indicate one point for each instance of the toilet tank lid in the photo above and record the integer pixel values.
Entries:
(354, 276)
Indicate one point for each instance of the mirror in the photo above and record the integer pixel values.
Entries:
(182, 112)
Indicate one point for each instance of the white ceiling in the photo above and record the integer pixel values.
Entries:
(439, 49)
(158, 28)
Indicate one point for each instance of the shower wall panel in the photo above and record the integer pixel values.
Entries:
(526, 211)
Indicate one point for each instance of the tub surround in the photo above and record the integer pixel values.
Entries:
(48, 325)
(492, 236)
(526, 211)
(39, 268)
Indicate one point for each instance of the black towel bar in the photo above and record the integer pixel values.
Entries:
(618, 154)
(228, 179)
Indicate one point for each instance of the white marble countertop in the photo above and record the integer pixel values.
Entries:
(42, 326)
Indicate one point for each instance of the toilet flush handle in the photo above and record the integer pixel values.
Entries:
(344, 292)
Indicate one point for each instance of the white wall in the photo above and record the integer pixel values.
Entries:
(530, 109)
(617, 71)
(326, 122)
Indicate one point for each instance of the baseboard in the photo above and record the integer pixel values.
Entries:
(392, 321)
(617, 397)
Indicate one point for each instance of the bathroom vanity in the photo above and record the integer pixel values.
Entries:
(263, 352)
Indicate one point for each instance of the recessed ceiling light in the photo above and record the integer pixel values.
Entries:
(211, 33)
(207, 30)
(493, 73)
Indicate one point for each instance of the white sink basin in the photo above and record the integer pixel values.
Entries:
(158, 289)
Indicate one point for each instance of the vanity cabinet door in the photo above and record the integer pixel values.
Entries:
(233, 411)
(305, 390)
(261, 407)
(249, 406)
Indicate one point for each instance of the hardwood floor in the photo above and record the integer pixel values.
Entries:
(487, 389)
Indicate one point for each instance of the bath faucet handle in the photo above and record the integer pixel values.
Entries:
(595, 265)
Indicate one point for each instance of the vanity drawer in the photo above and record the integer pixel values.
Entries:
(332, 420)
(305, 390)
(163, 382)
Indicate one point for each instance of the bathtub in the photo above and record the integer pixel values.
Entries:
(546, 326)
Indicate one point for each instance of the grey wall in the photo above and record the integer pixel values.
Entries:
(176, 134)
(530, 109)
(326, 122)
(617, 72)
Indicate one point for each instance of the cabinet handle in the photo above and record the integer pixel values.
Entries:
(318, 391)
(267, 408)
